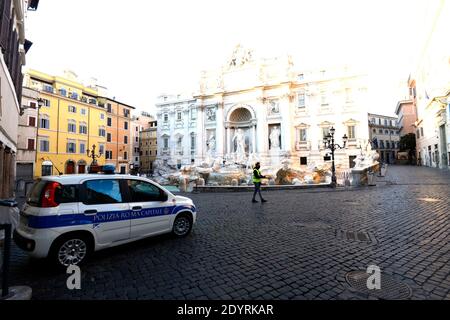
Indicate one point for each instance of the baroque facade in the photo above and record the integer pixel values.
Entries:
(385, 136)
(256, 109)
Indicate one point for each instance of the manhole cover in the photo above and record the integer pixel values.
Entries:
(391, 289)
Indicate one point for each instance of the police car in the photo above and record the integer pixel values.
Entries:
(68, 217)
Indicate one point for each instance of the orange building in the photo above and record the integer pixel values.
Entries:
(118, 135)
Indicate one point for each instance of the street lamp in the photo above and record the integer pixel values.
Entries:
(91, 154)
(328, 142)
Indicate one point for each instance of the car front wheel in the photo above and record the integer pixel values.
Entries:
(182, 225)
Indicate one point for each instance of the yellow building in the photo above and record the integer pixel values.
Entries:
(71, 120)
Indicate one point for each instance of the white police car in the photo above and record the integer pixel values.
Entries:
(68, 217)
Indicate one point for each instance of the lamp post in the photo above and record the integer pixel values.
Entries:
(91, 154)
(328, 142)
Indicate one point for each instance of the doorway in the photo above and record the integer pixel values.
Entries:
(70, 167)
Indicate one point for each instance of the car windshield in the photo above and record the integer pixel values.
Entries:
(34, 197)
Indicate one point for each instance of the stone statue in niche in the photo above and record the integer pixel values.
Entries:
(212, 143)
(275, 139)
(239, 137)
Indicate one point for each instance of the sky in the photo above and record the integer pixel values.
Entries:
(140, 49)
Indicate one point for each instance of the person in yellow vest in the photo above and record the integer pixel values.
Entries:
(257, 182)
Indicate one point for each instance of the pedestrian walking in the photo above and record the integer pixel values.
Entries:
(257, 182)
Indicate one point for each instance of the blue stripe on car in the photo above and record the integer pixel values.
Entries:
(65, 220)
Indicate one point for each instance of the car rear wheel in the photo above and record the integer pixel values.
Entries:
(71, 250)
(182, 225)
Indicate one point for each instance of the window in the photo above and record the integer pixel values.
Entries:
(30, 145)
(44, 145)
(109, 122)
(125, 139)
(32, 121)
(380, 131)
(418, 133)
(83, 128)
(421, 131)
(108, 107)
(102, 191)
(385, 122)
(82, 147)
(66, 194)
(125, 155)
(45, 123)
(72, 127)
(83, 111)
(166, 143)
(381, 144)
(302, 135)
(46, 102)
(141, 191)
(125, 125)
(137, 129)
(300, 77)
(101, 149)
(325, 132)
(388, 145)
(101, 132)
(72, 109)
(323, 98)
(146, 152)
(108, 137)
(374, 130)
(301, 100)
(32, 104)
(193, 113)
(166, 117)
(126, 113)
(192, 142)
(137, 139)
(348, 95)
(386, 131)
(303, 161)
(102, 116)
(351, 132)
(47, 170)
(108, 154)
(71, 147)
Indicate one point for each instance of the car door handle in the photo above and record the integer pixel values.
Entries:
(90, 212)
(136, 208)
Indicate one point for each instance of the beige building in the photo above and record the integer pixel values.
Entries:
(148, 148)
(27, 135)
(12, 57)
(385, 137)
(139, 123)
(432, 76)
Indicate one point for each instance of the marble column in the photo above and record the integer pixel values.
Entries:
(220, 128)
(200, 137)
(228, 140)
(286, 138)
(262, 127)
(254, 138)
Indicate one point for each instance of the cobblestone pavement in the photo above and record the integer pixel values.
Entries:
(289, 248)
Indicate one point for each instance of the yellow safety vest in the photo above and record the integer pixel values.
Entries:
(255, 179)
